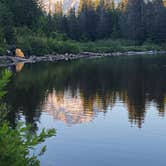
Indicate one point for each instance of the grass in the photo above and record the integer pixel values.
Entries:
(42, 46)
(119, 46)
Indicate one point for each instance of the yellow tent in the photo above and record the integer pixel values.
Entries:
(19, 53)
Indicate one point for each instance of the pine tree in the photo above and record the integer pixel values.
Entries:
(6, 23)
(25, 12)
(87, 19)
(73, 29)
(133, 21)
(159, 21)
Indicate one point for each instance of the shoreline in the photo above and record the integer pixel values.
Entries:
(6, 61)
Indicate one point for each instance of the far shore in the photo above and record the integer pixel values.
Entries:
(11, 60)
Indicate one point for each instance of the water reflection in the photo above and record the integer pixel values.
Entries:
(19, 66)
(16, 68)
(76, 109)
(66, 108)
(75, 92)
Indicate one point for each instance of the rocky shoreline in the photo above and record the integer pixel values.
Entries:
(9, 60)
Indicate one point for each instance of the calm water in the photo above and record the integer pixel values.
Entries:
(107, 112)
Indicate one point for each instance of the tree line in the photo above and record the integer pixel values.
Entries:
(136, 20)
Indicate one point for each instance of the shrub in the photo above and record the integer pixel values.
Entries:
(67, 47)
(59, 36)
(15, 144)
(42, 45)
(2, 51)
(151, 46)
(163, 46)
(2, 43)
(102, 46)
(24, 44)
(33, 45)
(39, 46)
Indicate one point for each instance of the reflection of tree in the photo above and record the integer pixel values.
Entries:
(92, 86)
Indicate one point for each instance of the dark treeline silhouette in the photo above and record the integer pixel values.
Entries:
(136, 20)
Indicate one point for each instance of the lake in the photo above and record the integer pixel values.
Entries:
(107, 112)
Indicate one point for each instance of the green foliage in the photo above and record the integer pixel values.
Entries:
(151, 46)
(1, 36)
(25, 12)
(34, 45)
(3, 82)
(15, 144)
(2, 50)
(63, 46)
(37, 45)
(6, 23)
